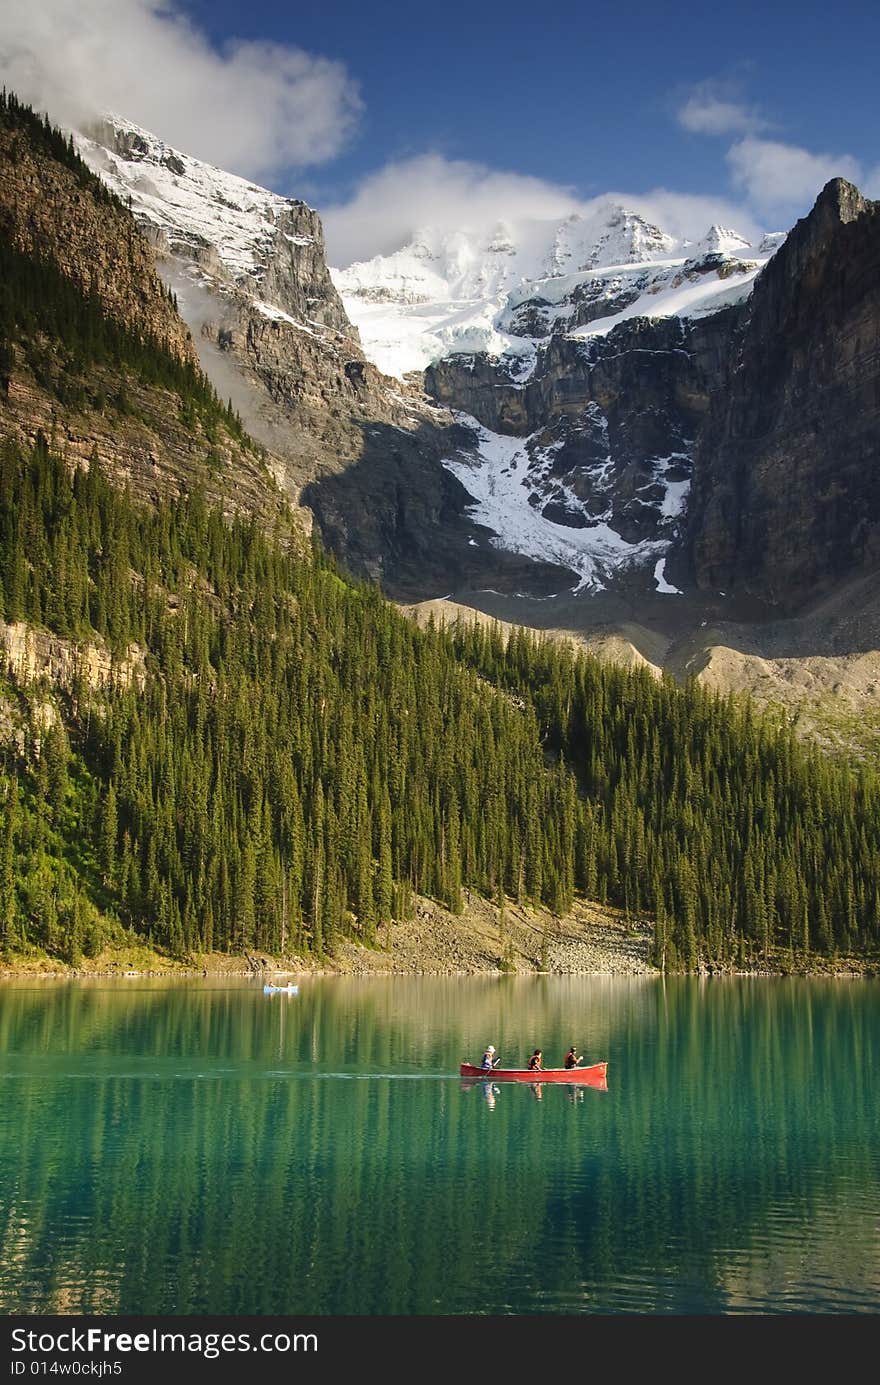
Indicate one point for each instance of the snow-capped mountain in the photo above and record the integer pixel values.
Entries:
(506, 292)
(571, 361)
(574, 352)
(201, 209)
(228, 233)
(249, 271)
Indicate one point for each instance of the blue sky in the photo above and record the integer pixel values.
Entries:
(385, 115)
(582, 94)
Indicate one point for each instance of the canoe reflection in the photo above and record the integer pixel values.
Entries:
(491, 1090)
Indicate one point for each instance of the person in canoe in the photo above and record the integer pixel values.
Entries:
(572, 1058)
(488, 1060)
(536, 1062)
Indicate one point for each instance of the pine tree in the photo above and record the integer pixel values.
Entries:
(9, 935)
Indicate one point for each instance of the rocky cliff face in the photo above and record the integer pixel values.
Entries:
(152, 448)
(786, 497)
(46, 209)
(143, 435)
(32, 654)
(606, 378)
(362, 452)
(311, 394)
(235, 233)
(742, 443)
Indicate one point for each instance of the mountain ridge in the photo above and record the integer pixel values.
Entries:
(95, 360)
(249, 273)
(232, 230)
(787, 471)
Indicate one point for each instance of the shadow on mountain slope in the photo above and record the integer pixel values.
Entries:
(396, 515)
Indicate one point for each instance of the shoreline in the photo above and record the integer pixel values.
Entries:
(484, 940)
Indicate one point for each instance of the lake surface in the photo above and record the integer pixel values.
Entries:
(200, 1147)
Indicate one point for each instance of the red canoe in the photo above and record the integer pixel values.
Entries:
(593, 1076)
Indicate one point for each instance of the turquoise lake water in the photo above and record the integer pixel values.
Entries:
(200, 1147)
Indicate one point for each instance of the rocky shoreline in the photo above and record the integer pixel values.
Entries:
(517, 940)
(483, 939)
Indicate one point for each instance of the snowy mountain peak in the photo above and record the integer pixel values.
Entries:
(227, 233)
(613, 235)
(630, 239)
(225, 224)
(719, 240)
(507, 288)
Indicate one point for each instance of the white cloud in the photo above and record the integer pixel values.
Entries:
(715, 108)
(777, 181)
(430, 190)
(390, 205)
(782, 178)
(255, 108)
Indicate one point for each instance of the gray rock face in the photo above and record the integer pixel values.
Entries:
(773, 405)
(296, 275)
(611, 420)
(250, 274)
(312, 394)
(397, 516)
(786, 497)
